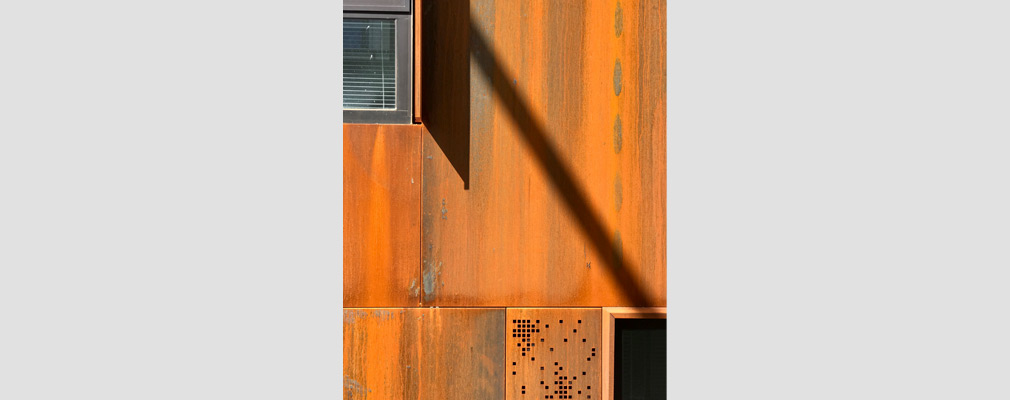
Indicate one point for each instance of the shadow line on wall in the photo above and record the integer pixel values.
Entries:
(533, 134)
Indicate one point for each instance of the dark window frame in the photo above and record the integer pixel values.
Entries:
(399, 6)
(404, 42)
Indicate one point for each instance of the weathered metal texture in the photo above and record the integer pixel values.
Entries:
(382, 185)
(424, 353)
(547, 188)
(553, 353)
(463, 354)
(382, 353)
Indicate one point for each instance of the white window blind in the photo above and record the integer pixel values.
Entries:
(369, 63)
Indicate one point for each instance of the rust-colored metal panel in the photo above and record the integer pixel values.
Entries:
(382, 353)
(547, 187)
(382, 185)
(463, 354)
(424, 353)
(553, 353)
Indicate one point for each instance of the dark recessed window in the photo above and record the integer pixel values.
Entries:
(639, 359)
(378, 48)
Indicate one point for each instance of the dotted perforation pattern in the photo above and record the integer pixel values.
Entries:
(551, 353)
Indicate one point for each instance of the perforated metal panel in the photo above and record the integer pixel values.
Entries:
(552, 353)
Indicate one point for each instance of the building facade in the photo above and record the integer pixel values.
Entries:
(492, 241)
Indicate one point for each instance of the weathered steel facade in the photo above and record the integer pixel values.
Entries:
(536, 179)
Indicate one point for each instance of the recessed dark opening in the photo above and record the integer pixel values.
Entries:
(639, 359)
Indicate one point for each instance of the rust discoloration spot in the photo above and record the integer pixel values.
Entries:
(353, 389)
(414, 289)
(382, 315)
(619, 20)
(618, 128)
(617, 77)
(352, 316)
(429, 279)
(617, 193)
(444, 210)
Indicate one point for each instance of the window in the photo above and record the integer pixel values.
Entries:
(634, 357)
(639, 359)
(378, 47)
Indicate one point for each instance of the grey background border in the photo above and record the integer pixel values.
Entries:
(170, 200)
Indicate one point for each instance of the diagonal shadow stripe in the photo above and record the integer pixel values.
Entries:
(532, 132)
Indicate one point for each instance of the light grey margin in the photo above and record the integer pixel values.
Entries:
(403, 114)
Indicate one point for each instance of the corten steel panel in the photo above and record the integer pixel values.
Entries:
(424, 353)
(463, 354)
(546, 185)
(553, 353)
(382, 353)
(382, 186)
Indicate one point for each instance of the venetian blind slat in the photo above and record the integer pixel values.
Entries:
(369, 64)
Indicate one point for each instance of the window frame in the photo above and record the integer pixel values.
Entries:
(398, 6)
(404, 42)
